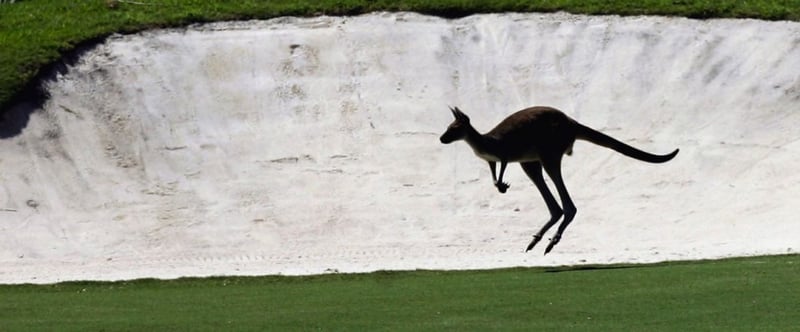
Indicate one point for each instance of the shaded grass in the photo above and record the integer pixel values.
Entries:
(757, 293)
(34, 34)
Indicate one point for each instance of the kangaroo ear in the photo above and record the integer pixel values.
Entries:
(459, 115)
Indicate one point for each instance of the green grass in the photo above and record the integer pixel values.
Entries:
(36, 33)
(743, 294)
(739, 294)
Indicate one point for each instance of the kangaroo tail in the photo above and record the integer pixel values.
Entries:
(596, 137)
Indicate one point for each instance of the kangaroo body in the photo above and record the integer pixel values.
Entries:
(537, 138)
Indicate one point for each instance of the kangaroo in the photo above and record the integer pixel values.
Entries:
(538, 137)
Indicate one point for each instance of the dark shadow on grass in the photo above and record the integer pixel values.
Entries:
(573, 268)
(622, 266)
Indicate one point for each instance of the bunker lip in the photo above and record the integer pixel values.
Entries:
(311, 145)
(15, 112)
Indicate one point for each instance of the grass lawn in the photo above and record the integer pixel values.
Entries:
(36, 33)
(738, 294)
(744, 294)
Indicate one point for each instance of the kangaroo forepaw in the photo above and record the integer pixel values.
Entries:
(502, 187)
(552, 244)
(536, 239)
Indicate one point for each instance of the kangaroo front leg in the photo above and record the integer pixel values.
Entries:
(498, 182)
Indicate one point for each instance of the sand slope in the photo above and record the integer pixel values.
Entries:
(297, 146)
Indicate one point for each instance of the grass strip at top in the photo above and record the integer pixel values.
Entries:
(35, 34)
(733, 294)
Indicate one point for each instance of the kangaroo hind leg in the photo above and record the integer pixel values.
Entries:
(553, 168)
(534, 172)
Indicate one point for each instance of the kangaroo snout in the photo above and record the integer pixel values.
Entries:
(445, 140)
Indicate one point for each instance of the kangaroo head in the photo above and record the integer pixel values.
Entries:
(458, 129)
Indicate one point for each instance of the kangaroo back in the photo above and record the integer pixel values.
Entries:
(596, 137)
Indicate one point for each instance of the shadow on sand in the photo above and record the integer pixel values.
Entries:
(16, 112)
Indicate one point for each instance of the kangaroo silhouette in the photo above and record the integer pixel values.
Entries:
(538, 137)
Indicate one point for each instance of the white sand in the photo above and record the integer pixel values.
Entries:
(303, 146)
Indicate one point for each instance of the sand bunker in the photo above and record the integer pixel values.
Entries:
(301, 146)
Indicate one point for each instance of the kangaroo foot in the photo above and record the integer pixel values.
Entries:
(535, 240)
(502, 187)
(552, 244)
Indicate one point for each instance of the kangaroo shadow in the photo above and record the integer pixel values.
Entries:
(573, 268)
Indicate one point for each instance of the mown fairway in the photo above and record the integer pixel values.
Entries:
(745, 294)
(761, 293)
